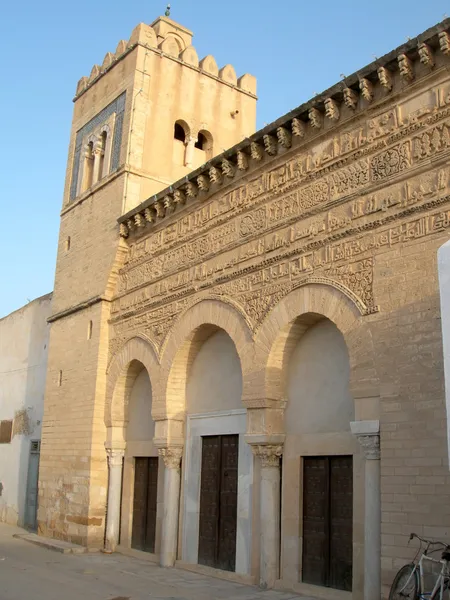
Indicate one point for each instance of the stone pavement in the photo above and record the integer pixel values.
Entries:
(30, 571)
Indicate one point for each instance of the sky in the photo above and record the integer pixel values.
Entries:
(295, 49)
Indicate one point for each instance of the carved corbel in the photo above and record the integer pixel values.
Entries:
(130, 225)
(169, 203)
(139, 220)
(203, 183)
(270, 144)
(350, 98)
(171, 457)
(444, 42)
(160, 210)
(385, 78)
(405, 66)
(123, 231)
(179, 197)
(332, 109)
(366, 88)
(269, 455)
(315, 118)
(426, 55)
(149, 215)
(215, 175)
(228, 169)
(298, 128)
(191, 189)
(284, 137)
(256, 151)
(242, 161)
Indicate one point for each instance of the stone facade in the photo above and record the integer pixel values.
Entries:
(316, 236)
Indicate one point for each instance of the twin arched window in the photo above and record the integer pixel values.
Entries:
(95, 165)
(204, 141)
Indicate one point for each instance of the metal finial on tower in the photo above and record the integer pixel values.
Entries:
(167, 13)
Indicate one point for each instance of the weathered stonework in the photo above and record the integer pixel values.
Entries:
(334, 212)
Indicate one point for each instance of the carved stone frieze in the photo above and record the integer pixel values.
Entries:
(390, 161)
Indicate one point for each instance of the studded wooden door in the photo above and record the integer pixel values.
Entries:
(328, 521)
(218, 502)
(144, 504)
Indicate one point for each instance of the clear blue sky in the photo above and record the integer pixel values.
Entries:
(294, 48)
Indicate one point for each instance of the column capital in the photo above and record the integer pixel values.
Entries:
(171, 457)
(368, 435)
(115, 456)
(269, 454)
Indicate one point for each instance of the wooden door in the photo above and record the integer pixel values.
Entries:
(218, 502)
(328, 521)
(144, 504)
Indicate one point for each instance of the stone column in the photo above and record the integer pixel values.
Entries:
(269, 570)
(169, 542)
(368, 434)
(189, 152)
(115, 463)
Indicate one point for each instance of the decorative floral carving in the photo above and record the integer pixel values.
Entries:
(171, 457)
(228, 169)
(256, 151)
(269, 455)
(385, 78)
(179, 197)
(139, 220)
(203, 183)
(350, 98)
(366, 88)
(242, 161)
(215, 175)
(149, 215)
(270, 144)
(426, 55)
(351, 178)
(284, 137)
(298, 127)
(253, 222)
(390, 161)
(191, 189)
(115, 457)
(444, 42)
(315, 118)
(331, 109)
(370, 443)
(123, 230)
(169, 203)
(406, 67)
(160, 210)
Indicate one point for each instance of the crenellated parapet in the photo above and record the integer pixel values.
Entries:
(167, 38)
(359, 93)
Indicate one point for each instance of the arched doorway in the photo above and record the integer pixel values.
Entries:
(318, 460)
(217, 463)
(141, 473)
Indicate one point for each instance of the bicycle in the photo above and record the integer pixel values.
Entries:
(409, 581)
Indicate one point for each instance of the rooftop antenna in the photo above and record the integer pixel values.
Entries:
(167, 13)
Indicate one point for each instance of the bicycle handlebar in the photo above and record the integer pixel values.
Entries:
(428, 542)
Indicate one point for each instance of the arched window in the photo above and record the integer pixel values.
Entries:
(205, 142)
(88, 171)
(101, 166)
(180, 132)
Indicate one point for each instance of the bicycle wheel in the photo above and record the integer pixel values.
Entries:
(405, 584)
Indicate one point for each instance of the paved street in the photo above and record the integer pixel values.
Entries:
(29, 571)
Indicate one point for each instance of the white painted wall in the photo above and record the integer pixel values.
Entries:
(23, 363)
(444, 287)
(215, 378)
(319, 399)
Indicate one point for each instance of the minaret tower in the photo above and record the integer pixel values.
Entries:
(150, 114)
